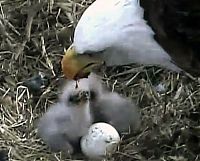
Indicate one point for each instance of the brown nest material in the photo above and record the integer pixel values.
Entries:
(29, 44)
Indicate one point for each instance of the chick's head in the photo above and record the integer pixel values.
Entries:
(79, 98)
(76, 96)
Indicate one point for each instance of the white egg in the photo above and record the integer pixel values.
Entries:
(102, 139)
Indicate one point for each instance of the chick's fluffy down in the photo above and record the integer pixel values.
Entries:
(116, 110)
(61, 127)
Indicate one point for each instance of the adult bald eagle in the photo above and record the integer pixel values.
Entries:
(115, 32)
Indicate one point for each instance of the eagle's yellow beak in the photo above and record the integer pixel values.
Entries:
(76, 66)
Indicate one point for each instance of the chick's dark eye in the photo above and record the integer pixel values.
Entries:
(72, 99)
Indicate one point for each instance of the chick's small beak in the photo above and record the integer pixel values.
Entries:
(76, 66)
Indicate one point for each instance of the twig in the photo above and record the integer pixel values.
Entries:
(133, 70)
(31, 14)
(44, 53)
(3, 31)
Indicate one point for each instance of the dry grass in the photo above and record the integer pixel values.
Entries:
(29, 44)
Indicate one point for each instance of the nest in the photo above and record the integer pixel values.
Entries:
(31, 38)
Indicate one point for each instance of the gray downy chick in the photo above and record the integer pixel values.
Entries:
(116, 110)
(62, 126)
(112, 108)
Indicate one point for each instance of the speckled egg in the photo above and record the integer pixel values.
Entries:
(102, 139)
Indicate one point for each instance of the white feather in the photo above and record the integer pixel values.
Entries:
(118, 27)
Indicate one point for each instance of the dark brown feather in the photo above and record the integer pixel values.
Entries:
(176, 24)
